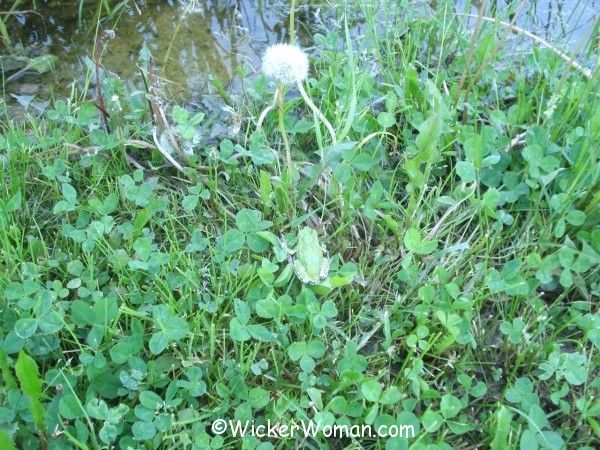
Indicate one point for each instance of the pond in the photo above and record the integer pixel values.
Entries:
(200, 42)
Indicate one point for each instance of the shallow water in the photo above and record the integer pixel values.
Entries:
(196, 41)
(192, 41)
(566, 23)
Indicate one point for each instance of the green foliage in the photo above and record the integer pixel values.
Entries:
(31, 385)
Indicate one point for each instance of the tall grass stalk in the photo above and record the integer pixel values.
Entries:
(292, 25)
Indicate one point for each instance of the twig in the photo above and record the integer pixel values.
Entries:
(169, 132)
(143, 144)
(131, 160)
(137, 8)
(165, 153)
(103, 111)
(20, 12)
(17, 74)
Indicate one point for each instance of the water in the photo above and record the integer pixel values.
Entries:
(192, 42)
(197, 41)
(566, 23)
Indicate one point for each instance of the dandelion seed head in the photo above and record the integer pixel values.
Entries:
(285, 64)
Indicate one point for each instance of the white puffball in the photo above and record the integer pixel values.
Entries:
(285, 64)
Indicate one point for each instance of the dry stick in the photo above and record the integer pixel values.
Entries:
(143, 144)
(169, 132)
(165, 153)
(584, 71)
(131, 160)
(137, 8)
(156, 110)
(16, 74)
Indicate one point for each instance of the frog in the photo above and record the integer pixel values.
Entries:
(310, 259)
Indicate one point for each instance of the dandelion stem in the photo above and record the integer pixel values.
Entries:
(267, 110)
(318, 112)
(286, 142)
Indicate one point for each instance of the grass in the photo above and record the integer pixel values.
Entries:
(459, 209)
